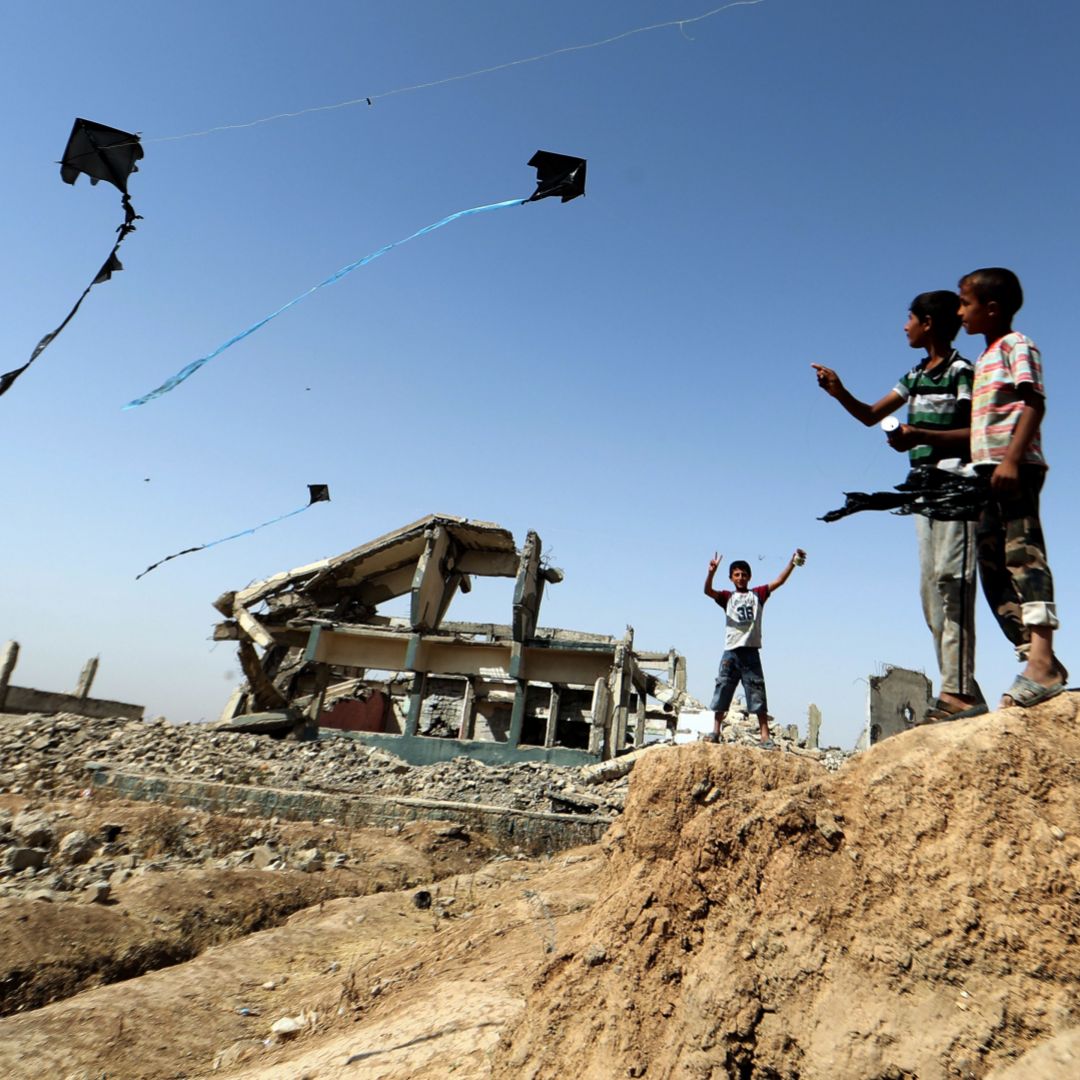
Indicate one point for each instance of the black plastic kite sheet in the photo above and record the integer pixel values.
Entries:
(316, 493)
(941, 494)
(102, 153)
(556, 175)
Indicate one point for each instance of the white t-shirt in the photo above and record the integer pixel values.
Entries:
(743, 611)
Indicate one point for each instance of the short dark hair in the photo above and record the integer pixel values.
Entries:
(942, 308)
(738, 564)
(996, 283)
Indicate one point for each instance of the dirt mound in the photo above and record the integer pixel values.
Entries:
(914, 915)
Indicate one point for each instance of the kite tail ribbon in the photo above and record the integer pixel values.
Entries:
(214, 543)
(184, 373)
(108, 268)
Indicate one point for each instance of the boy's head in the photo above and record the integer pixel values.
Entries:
(989, 298)
(934, 317)
(739, 572)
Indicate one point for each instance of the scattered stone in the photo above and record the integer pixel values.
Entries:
(287, 1027)
(828, 827)
(76, 848)
(422, 900)
(309, 860)
(17, 859)
(97, 892)
(594, 955)
(33, 829)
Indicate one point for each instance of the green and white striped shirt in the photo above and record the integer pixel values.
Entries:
(938, 399)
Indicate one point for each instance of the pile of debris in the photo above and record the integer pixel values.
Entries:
(75, 851)
(741, 728)
(48, 755)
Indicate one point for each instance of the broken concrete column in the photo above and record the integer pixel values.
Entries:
(528, 589)
(620, 691)
(813, 727)
(613, 768)
(416, 703)
(640, 721)
(517, 713)
(8, 658)
(553, 714)
(86, 677)
(601, 717)
(468, 701)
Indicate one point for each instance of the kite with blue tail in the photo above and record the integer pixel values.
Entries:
(556, 174)
(316, 493)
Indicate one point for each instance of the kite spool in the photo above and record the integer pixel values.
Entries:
(890, 424)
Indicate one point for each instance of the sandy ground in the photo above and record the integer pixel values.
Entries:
(914, 916)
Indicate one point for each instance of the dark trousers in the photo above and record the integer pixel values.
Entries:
(1011, 554)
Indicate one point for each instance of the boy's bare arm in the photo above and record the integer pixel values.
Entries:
(864, 412)
(906, 436)
(714, 564)
(786, 572)
(957, 439)
(1006, 477)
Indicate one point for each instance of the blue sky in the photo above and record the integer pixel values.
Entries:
(627, 374)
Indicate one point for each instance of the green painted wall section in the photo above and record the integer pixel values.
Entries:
(427, 750)
(532, 831)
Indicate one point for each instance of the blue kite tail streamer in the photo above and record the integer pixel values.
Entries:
(175, 380)
(248, 532)
(214, 543)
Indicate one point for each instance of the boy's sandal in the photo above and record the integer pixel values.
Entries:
(941, 712)
(769, 744)
(712, 737)
(1026, 692)
(1061, 669)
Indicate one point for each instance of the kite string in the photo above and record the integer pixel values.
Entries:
(369, 99)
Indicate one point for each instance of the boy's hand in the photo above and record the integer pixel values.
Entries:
(714, 563)
(904, 437)
(828, 380)
(1005, 479)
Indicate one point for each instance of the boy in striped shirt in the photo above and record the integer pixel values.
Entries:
(938, 393)
(1008, 403)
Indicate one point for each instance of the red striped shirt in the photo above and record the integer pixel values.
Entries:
(1010, 362)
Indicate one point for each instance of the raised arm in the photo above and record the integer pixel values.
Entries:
(865, 413)
(714, 563)
(786, 572)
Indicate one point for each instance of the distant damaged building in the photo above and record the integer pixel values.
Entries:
(429, 689)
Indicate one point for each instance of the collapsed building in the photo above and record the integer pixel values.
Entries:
(430, 689)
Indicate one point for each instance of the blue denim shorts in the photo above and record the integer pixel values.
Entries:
(740, 666)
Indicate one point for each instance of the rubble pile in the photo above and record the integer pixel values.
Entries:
(48, 755)
(53, 854)
(741, 728)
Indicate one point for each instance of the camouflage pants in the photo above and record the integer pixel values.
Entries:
(1011, 554)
